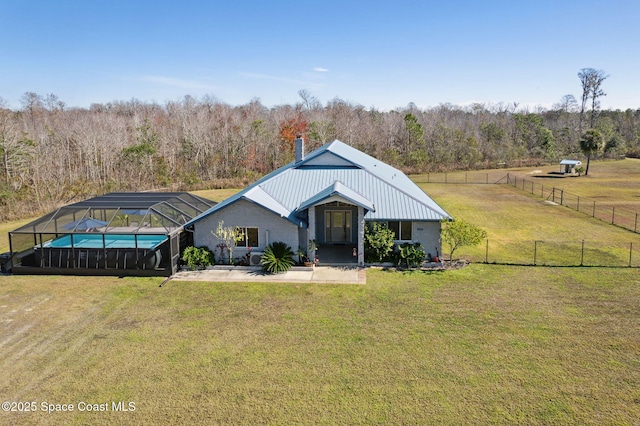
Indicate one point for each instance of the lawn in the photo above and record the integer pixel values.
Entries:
(485, 344)
(516, 219)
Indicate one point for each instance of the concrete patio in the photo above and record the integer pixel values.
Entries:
(315, 275)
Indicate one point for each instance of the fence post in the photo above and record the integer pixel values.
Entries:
(635, 225)
(562, 197)
(487, 178)
(542, 191)
(582, 255)
(486, 253)
(630, 253)
(578, 208)
(594, 209)
(613, 216)
(535, 252)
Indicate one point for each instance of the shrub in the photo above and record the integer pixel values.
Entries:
(277, 258)
(409, 255)
(378, 242)
(460, 234)
(197, 257)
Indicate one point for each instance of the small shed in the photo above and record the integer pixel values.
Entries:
(569, 166)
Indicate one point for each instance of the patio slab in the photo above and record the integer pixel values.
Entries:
(321, 274)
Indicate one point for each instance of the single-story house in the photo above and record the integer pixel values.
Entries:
(325, 196)
(569, 166)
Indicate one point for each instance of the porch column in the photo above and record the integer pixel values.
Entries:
(360, 236)
(311, 232)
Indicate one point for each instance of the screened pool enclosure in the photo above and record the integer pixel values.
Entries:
(124, 233)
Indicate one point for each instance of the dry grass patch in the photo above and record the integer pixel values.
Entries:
(217, 194)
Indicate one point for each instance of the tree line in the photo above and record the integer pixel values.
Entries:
(52, 154)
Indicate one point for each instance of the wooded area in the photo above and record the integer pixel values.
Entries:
(52, 154)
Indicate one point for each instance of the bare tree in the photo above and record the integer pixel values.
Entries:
(195, 143)
(567, 103)
(591, 81)
(309, 101)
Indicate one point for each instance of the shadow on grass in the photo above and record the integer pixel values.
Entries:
(560, 266)
(415, 270)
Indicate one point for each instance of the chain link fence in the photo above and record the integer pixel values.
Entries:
(491, 177)
(556, 253)
(614, 213)
(548, 252)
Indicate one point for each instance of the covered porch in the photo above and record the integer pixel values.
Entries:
(336, 224)
(337, 255)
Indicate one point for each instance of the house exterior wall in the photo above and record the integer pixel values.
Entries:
(428, 234)
(243, 213)
(328, 159)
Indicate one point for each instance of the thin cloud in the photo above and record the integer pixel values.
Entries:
(320, 69)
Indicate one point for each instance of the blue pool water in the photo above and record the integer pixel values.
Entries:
(110, 241)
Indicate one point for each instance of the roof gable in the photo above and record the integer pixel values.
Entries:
(338, 188)
(325, 159)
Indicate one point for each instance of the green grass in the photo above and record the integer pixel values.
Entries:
(485, 344)
(6, 227)
(514, 219)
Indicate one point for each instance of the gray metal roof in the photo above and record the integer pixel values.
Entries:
(571, 162)
(360, 179)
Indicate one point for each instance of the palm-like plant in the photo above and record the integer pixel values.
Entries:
(277, 258)
(590, 143)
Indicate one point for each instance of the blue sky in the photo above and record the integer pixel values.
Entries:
(381, 54)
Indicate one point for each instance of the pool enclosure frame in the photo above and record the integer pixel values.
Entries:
(121, 234)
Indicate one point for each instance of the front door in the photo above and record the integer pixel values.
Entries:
(337, 226)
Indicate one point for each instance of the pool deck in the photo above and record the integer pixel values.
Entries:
(315, 275)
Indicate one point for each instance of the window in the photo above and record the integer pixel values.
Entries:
(403, 230)
(249, 237)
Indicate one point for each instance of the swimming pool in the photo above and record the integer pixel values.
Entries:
(123, 241)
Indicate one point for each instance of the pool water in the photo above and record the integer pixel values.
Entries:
(110, 241)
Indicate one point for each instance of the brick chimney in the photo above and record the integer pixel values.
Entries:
(299, 148)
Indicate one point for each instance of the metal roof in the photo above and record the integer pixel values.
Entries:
(362, 179)
(571, 162)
